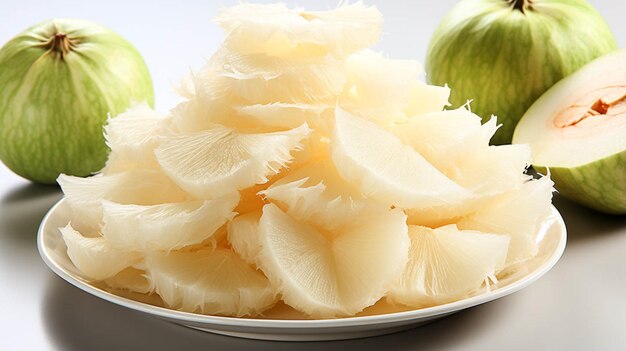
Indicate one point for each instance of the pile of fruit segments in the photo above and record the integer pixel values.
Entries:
(305, 168)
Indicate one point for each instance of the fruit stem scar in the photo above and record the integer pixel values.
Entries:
(60, 44)
(520, 5)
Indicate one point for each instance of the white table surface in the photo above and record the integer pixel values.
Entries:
(579, 305)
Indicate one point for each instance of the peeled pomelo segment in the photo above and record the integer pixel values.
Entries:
(259, 78)
(136, 186)
(438, 216)
(384, 168)
(518, 213)
(298, 259)
(424, 98)
(243, 236)
(94, 256)
(374, 79)
(378, 88)
(446, 264)
(315, 193)
(328, 274)
(438, 134)
(135, 133)
(576, 130)
(388, 90)
(359, 254)
(276, 30)
(166, 226)
(287, 115)
(493, 170)
(118, 163)
(192, 116)
(217, 240)
(457, 144)
(209, 281)
(218, 161)
(130, 279)
(488, 172)
(141, 187)
(209, 98)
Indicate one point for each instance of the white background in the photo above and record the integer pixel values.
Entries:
(580, 305)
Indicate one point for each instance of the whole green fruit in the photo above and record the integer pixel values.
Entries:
(577, 134)
(503, 54)
(59, 80)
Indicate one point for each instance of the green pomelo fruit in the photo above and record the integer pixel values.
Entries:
(58, 82)
(503, 54)
(577, 132)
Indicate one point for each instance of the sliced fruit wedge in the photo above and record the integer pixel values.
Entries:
(425, 98)
(316, 193)
(137, 186)
(384, 168)
(279, 31)
(518, 213)
(243, 236)
(130, 279)
(328, 274)
(387, 90)
(219, 161)
(201, 113)
(211, 282)
(166, 226)
(457, 144)
(576, 130)
(94, 256)
(446, 264)
(133, 136)
(287, 115)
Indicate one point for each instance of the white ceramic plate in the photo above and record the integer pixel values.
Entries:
(551, 240)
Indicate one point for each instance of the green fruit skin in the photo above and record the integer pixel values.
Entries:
(503, 60)
(52, 109)
(600, 185)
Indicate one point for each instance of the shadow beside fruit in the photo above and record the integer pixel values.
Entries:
(21, 211)
(584, 224)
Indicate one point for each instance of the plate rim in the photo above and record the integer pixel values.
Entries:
(394, 317)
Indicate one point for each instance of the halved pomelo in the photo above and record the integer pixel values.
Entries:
(219, 160)
(446, 264)
(209, 281)
(328, 274)
(276, 30)
(385, 168)
(576, 130)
